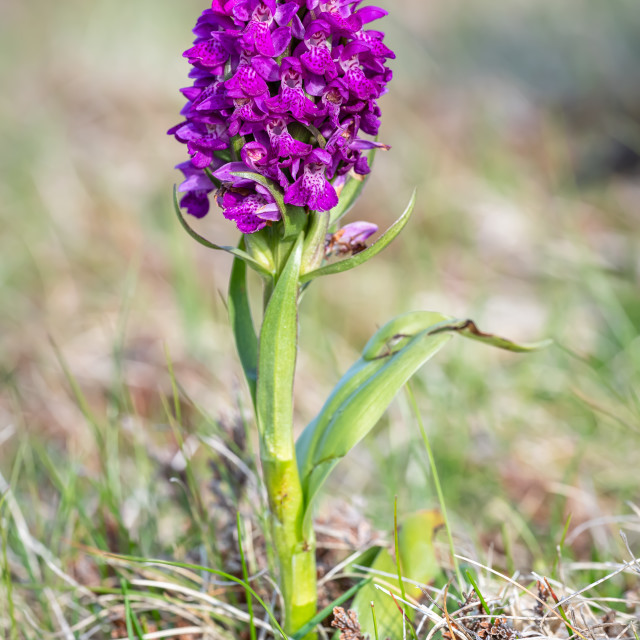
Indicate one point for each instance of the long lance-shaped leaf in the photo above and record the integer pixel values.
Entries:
(276, 367)
(350, 263)
(362, 396)
(469, 329)
(243, 255)
(276, 360)
(397, 332)
(389, 359)
(294, 218)
(242, 323)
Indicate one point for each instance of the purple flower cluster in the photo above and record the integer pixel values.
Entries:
(282, 88)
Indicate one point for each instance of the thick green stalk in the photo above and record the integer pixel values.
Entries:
(274, 410)
(296, 556)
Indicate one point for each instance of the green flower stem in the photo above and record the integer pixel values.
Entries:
(274, 410)
(296, 556)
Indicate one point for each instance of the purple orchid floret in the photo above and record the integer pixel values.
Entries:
(250, 211)
(196, 189)
(284, 89)
(312, 188)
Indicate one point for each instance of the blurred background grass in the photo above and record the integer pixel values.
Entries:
(519, 124)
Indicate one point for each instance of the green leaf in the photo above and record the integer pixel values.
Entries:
(348, 196)
(242, 323)
(295, 220)
(354, 261)
(243, 255)
(417, 552)
(388, 618)
(131, 620)
(222, 154)
(276, 360)
(362, 396)
(469, 329)
(351, 192)
(418, 563)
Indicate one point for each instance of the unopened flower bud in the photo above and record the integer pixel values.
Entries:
(352, 238)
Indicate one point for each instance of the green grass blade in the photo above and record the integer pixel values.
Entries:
(508, 550)
(483, 602)
(191, 489)
(79, 397)
(560, 609)
(175, 392)
(565, 531)
(375, 622)
(131, 621)
(406, 621)
(438, 486)
(6, 572)
(277, 356)
(387, 620)
(245, 577)
(397, 548)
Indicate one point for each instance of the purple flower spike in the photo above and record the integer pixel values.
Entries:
(267, 76)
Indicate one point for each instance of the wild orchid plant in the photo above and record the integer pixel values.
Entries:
(282, 93)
